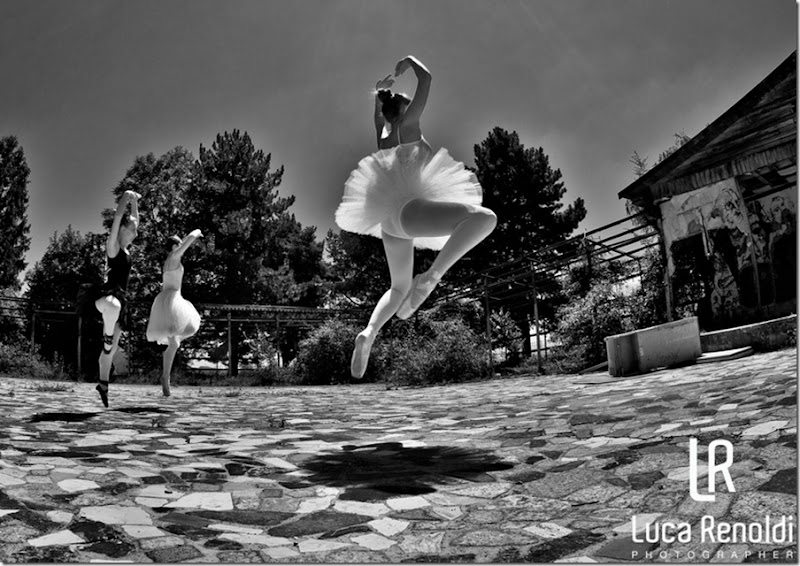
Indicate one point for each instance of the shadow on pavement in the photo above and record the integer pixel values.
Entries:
(390, 468)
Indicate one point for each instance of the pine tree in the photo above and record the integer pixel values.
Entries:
(14, 226)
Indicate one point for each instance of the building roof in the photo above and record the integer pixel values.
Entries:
(757, 132)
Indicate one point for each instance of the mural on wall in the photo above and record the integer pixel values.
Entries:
(773, 224)
(749, 249)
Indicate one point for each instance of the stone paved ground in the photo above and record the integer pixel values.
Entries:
(515, 470)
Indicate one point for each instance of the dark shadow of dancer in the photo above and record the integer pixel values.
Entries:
(389, 468)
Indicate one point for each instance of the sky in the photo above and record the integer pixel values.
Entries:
(89, 85)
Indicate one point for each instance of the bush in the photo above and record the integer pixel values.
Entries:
(432, 347)
(585, 323)
(16, 360)
(324, 357)
(444, 352)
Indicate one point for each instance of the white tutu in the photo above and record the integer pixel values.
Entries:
(171, 315)
(385, 181)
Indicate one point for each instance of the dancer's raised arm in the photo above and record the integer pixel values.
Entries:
(414, 111)
(112, 244)
(187, 241)
(380, 121)
(179, 248)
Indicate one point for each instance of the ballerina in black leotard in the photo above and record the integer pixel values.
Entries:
(111, 302)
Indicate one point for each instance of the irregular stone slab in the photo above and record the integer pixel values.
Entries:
(262, 540)
(314, 545)
(319, 522)
(281, 553)
(406, 503)
(762, 429)
(160, 491)
(596, 493)
(491, 538)
(117, 515)
(422, 543)
(373, 541)
(8, 481)
(388, 526)
(753, 506)
(717, 508)
(548, 530)
(57, 516)
(75, 485)
(361, 508)
(783, 481)
(245, 517)
(60, 538)
(174, 554)
(143, 531)
(485, 491)
(644, 480)
(235, 529)
(553, 549)
(212, 501)
(624, 548)
(315, 504)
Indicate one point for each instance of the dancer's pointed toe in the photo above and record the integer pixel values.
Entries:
(103, 391)
(360, 358)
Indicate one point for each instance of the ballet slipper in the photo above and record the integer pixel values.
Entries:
(103, 391)
(358, 363)
(421, 288)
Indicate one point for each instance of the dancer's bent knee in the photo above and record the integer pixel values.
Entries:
(108, 305)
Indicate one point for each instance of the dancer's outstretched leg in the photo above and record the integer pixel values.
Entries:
(400, 257)
(467, 225)
(169, 358)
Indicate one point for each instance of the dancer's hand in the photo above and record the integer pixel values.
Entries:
(402, 66)
(385, 82)
(132, 195)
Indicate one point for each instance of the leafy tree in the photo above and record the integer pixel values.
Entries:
(526, 193)
(357, 269)
(14, 226)
(255, 249)
(70, 261)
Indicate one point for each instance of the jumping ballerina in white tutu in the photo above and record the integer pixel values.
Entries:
(408, 196)
(173, 318)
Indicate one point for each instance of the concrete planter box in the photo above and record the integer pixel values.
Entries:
(667, 344)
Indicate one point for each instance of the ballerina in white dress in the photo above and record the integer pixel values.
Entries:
(409, 196)
(173, 318)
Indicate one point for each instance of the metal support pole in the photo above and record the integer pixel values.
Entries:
(230, 347)
(278, 340)
(536, 320)
(488, 324)
(80, 339)
(665, 259)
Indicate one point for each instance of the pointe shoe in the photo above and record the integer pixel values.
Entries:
(103, 391)
(360, 358)
(420, 290)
